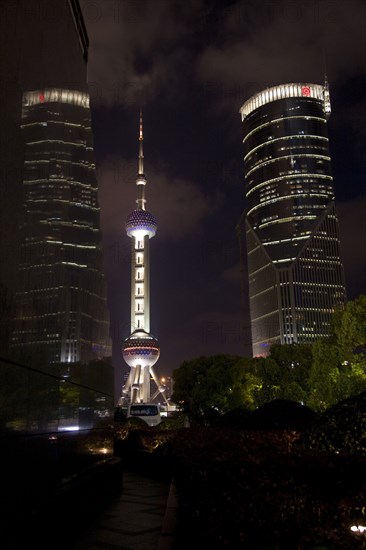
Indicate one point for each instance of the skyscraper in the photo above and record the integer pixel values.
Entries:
(43, 45)
(295, 270)
(60, 298)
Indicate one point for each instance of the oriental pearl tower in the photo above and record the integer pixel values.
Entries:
(140, 350)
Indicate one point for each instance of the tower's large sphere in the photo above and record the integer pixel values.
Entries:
(140, 349)
(140, 223)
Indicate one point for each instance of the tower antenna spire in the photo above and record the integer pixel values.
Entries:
(141, 150)
(327, 107)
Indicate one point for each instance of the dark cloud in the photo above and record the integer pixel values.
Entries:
(178, 205)
(137, 47)
(141, 48)
(269, 43)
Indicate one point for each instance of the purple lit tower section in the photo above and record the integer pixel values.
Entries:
(141, 350)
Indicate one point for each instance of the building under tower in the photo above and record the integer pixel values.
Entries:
(296, 277)
(141, 349)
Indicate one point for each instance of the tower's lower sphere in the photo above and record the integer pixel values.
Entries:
(140, 349)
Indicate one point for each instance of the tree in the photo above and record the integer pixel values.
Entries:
(339, 362)
(349, 330)
(324, 375)
(318, 375)
(209, 385)
(269, 376)
(295, 360)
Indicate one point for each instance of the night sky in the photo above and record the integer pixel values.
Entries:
(190, 65)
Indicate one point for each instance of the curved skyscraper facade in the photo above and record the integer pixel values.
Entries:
(61, 298)
(60, 304)
(296, 277)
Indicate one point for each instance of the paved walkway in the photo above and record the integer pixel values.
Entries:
(142, 517)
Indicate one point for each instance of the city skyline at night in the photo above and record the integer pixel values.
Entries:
(183, 273)
(191, 77)
(190, 66)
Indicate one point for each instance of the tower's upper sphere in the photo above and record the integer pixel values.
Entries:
(141, 349)
(140, 223)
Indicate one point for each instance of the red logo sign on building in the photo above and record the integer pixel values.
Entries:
(305, 91)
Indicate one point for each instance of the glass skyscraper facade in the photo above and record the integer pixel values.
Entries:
(56, 378)
(61, 301)
(296, 277)
(59, 293)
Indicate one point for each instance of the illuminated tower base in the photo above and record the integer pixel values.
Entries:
(141, 351)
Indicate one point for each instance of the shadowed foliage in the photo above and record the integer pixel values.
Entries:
(281, 414)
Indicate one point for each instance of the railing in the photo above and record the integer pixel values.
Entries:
(55, 427)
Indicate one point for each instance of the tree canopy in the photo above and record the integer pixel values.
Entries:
(208, 385)
(318, 375)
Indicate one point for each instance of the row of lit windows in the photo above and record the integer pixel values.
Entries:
(297, 147)
(69, 183)
(307, 178)
(60, 161)
(274, 121)
(304, 169)
(298, 189)
(269, 218)
(293, 159)
(330, 260)
(58, 200)
(264, 201)
(38, 123)
(81, 143)
(284, 260)
(268, 195)
(315, 309)
(282, 241)
(287, 137)
(287, 131)
(274, 155)
(64, 159)
(74, 224)
(286, 220)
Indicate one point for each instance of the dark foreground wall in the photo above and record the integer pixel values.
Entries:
(57, 454)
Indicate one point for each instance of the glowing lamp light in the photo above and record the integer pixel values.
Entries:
(305, 91)
(358, 528)
(68, 428)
